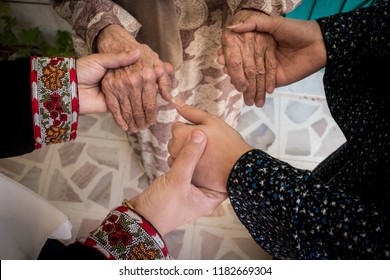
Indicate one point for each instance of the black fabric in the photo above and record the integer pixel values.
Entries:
(55, 250)
(17, 136)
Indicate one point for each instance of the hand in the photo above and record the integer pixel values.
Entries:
(90, 71)
(300, 48)
(171, 200)
(249, 60)
(131, 92)
(224, 146)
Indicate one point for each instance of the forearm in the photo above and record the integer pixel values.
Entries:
(270, 7)
(45, 92)
(292, 215)
(17, 136)
(88, 18)
(123, 235)
(367, 31)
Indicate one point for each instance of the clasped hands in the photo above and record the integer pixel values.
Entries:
(173, 198)
(201, 157)
(131, 92)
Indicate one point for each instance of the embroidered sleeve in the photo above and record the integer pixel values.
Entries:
(125, 235)
(270, 7)
(89, 17)
(54, 99)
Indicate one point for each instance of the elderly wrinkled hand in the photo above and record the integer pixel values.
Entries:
(171, 200)
(249, 60)
(224, 146)
(131, 92)
(90, 71)
(300, 49)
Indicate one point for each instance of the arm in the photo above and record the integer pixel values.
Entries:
(293, 215)
(289, 212)
(17, 136)
(50, 93)
(367, 30)
(88, 18)
(135, 232)
(303, 48)
(131, 93)
(48, 113)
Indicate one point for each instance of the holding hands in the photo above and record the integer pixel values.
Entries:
(172, 200)
(90, 71)
(249, 59)
(300, 48)
(196, 182)
(224, 146)
(131, 92)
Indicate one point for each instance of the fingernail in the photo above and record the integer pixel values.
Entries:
(233, 26)
(178, 102)
(197, 137)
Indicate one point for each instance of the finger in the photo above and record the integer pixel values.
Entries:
(248, 55)
(260, 23)
(260, 73)
(149, 100)
(221, 60)
(170, 161)
(116, 60)
(165, 86)
(114, 107)
(234, 65)
(135, 82)
(190, 113)
(270, 67)
(123, 94)
(180, 133)
(233, 59)
(184, 165)
(112, 102)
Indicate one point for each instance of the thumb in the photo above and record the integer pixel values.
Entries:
(190, 113)
(116, 60)
(262, 23)
(185, 163)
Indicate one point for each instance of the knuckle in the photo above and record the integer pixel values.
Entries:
(271, 65)
(250, 72)
(235, 64)
(260, 70)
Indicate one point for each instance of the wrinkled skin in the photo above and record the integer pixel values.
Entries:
(90, 71)
(249, 59)
(131, 92)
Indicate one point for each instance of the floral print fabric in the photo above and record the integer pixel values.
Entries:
(125, 235)
(54, 100)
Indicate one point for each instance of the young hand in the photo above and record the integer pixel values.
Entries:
(172, 200)
(224, 146)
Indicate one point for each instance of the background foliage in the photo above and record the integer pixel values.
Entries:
(29, 41)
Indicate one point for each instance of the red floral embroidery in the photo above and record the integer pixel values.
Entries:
(54, 99)
(122, 235)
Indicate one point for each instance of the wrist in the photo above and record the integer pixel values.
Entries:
(238, 153)
(111, 38)
(151, 214)
(123, 235)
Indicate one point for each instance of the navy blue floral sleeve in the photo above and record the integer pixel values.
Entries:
(340, 210)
